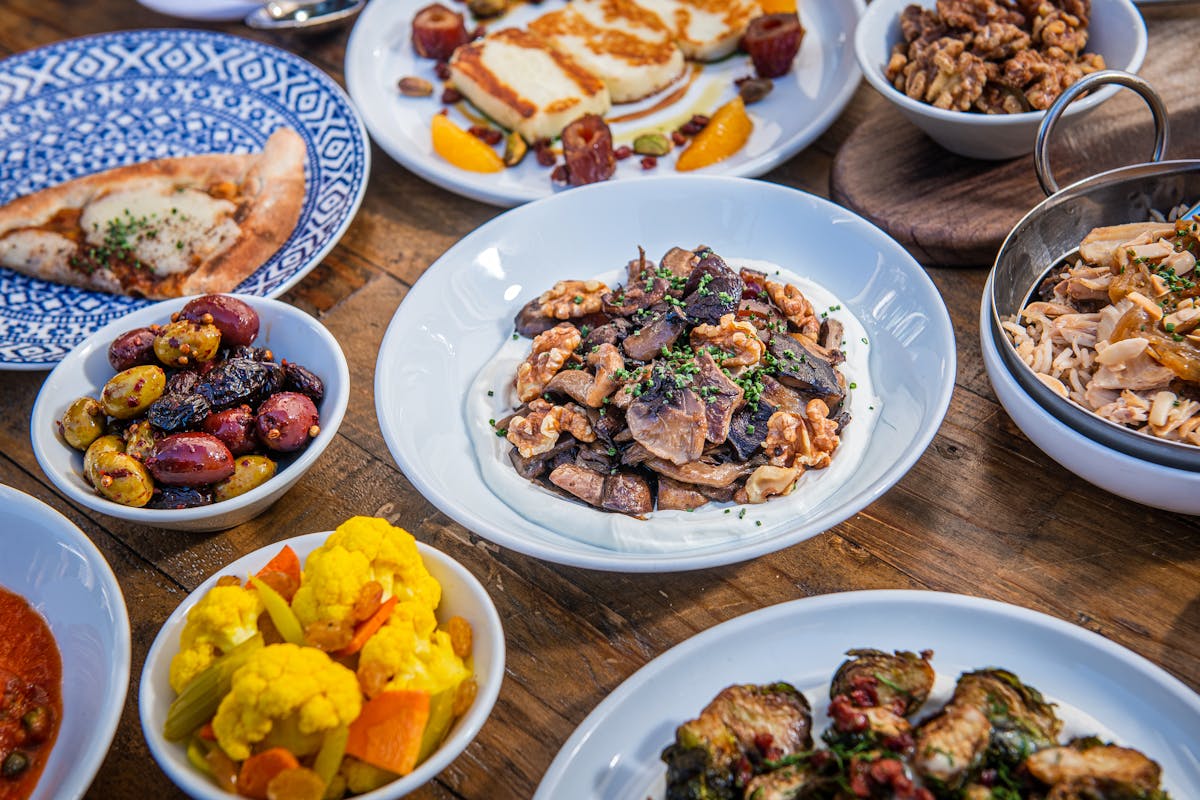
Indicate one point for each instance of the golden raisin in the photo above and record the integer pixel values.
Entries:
(460, 636)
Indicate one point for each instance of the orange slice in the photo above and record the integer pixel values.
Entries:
(779, 6)
(462, 149)
(725, 134)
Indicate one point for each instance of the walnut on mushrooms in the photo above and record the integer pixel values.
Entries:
(807, 441)
(551, 350)
(736, 339)
(573, 299)
(795, 307)
(537, 432)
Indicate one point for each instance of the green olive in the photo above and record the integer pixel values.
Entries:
(185, 342)
(123, 479)
(129, 393)
(249, 472)
(140, 439)
(82, 423)
(105, 444)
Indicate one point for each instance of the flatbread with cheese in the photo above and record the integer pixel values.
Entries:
(163, 228)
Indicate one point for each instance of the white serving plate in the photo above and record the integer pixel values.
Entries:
(614, 753)
(56, 568)
(462, 595)
(459, 313)
(85, 105)
(803, 104)
(291, 333)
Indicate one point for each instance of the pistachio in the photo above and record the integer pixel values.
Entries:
(415, 87)
(514, 149)
(487, 8)
(652, 144)
(754, 89)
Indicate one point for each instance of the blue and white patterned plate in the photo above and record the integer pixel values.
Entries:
(85, 105)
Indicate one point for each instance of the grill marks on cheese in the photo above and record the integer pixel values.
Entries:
(148, 231)
(519, 80)
(626, 46)
(705, 30)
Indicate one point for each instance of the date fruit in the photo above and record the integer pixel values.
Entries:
(287, 421)
(437, 31)
(588, 149)
(190, 459)
(772, 41)
(237, 322)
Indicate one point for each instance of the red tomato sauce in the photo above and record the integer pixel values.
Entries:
(30, 695)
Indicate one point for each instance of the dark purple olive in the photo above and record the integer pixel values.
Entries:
(237, 322)
(302, 380)
(236, 381)
(276, 379)
(177, 497)
(183, 382)
(250, 352)
(234, 427)
(190, 459)
(176, 412)
(134, 348)
(287, 421)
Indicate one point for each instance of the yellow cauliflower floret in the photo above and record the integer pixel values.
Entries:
(362, 549)
(412, 653)
(223, 619)
(333, 578)
(279, 681)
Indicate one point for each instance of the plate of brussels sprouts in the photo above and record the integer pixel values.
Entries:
(956, 697)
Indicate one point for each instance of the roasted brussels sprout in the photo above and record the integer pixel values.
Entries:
(1089, 769)
(744, 727)
(901, 680)
(950, 748)
(1022, 721)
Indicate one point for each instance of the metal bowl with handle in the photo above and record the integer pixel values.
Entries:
(1051, 233)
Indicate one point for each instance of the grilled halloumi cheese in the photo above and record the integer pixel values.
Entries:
(628, 47)
(705, 29)
(520, 81)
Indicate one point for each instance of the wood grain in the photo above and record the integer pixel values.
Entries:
(983, 512)
(949, 210)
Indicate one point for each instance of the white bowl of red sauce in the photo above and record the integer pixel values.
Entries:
(64, 652)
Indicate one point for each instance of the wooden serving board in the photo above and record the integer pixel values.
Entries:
(952, 211)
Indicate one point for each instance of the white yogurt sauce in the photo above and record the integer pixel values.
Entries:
(673, 531)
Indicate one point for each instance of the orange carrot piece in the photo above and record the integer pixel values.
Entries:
(285, 561)
(207, 733)
(368, 627)
(387, 734)
(258, 770)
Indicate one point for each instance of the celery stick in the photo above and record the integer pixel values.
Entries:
(333, 749)
(280, 612)
(198, 701)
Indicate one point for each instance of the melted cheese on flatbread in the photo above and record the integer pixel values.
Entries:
(168, 228)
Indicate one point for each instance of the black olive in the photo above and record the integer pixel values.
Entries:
(176, 412)
(238, 380)
(176, 497)
(16, 763)
(302, 380)
(182, 382)
(276, 378)
(250, 352)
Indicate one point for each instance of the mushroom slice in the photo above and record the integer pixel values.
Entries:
(667, 420)
(721, 397)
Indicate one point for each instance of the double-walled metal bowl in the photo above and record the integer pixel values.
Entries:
(1138, 466)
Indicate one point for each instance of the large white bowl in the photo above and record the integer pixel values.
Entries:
(461, 311)
(1117, 32)
(462, 595)
(57, 569)
(1141, 481)
(288, 331)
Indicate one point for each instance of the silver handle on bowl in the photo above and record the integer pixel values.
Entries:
(1041, 152)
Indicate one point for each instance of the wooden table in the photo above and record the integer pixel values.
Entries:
(983, 512)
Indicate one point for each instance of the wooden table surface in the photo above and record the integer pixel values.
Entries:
(983, 512)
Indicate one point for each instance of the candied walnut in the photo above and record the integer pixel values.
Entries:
(807, 440)
(768, 481)
(551, 349)
(1053, 27)
(1054, 79)
(538, 431)
(1000, 99)
(736, 339)
(894, 71)
(795, 307)
(946, 76)
(974, 15)
(572, 299)
(998, 41)
(919, 24)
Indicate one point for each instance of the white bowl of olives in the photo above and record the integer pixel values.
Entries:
(192, 414)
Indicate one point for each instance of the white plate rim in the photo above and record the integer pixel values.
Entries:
(829, 604)
(330, 85)
(358, 69)
(468, 726)
(85, 771)
(571, 554)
